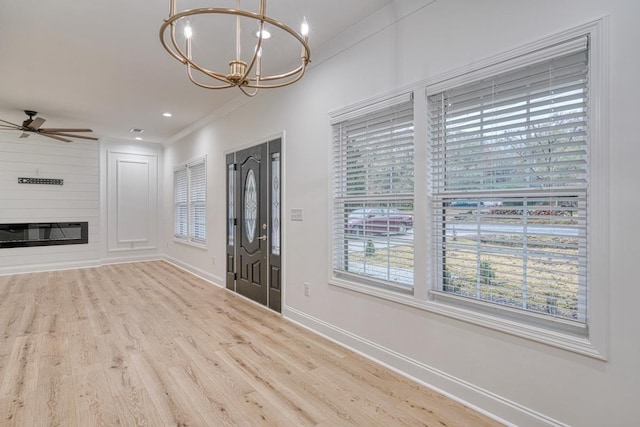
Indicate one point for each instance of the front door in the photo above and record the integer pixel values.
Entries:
(253, 223)
(253, 228)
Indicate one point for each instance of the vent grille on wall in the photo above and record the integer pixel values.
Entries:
(46, 181)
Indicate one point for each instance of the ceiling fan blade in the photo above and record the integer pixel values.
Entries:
(24, 135)
(36, 123)
(69, 135)
(48, 130)
(9, 123)
(48, 135)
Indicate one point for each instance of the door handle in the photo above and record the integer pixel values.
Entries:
(262, 237)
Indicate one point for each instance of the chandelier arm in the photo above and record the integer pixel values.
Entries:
(164, 43)
(254, 57)
(179, 54)
(277, 85)
(206, 86)
(301, 68)
(291, 31)
(221, 77)
(249, 94)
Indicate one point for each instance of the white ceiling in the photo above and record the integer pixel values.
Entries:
(100, 64)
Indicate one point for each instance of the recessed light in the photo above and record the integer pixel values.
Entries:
(138, 138)
(167, 114)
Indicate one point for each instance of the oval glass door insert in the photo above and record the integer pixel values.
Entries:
(250, 206)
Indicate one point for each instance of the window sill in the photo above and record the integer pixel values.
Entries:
(190, 243)
(441, 306)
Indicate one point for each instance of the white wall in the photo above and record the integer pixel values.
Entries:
(521, 381)
(77, 163)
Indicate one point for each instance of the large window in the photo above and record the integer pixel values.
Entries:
(509, 179)
(373, 194)
(500, 171)
(190, 202)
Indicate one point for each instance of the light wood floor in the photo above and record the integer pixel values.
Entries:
(149, 344)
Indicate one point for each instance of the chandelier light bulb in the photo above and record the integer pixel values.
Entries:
(188, 32)
(304, 27)
(265, 34)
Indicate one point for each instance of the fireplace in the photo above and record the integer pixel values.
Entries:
(43, 234)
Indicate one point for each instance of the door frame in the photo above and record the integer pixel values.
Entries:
(275, 295)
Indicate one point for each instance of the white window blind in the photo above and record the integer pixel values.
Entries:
(509, 181)
(190, 202)
(197, 202)
(180, 203)
(373, 194)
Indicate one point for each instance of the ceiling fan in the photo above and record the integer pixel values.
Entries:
(32, 125)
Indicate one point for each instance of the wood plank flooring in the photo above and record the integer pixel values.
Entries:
(147, 344)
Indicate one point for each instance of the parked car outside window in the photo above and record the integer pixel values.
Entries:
(379, 220)
(474, 203)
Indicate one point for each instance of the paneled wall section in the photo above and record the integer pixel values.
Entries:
(77, 163)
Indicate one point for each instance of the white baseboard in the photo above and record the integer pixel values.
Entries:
(69, 265)
(130, 258)
(497, 407)
(52, 266)
(205, 275)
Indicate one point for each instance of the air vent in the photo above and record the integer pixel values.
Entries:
(136, 131)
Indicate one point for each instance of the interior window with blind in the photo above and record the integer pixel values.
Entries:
(509, 180)
(180, 203)
(190, 202)
(373, 194)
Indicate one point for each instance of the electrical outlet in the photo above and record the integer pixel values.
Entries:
(306, 289)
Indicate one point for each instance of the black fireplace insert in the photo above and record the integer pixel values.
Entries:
(43, 234)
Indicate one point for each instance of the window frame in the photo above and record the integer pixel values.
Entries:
(591, 342)
(366, 111)
(190, 238)
(441, 194)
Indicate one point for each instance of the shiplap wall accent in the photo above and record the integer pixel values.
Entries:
(77, 163)
(132, 185)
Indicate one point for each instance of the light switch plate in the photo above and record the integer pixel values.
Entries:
(296, 214)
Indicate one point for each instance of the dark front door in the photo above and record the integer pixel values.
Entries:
(253, 227)
(254, 233)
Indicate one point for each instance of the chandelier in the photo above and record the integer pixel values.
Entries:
(246, 70)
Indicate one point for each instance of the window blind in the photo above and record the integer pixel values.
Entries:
(509, 180)
(180, 203)
(373, 194)
(198, 201)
